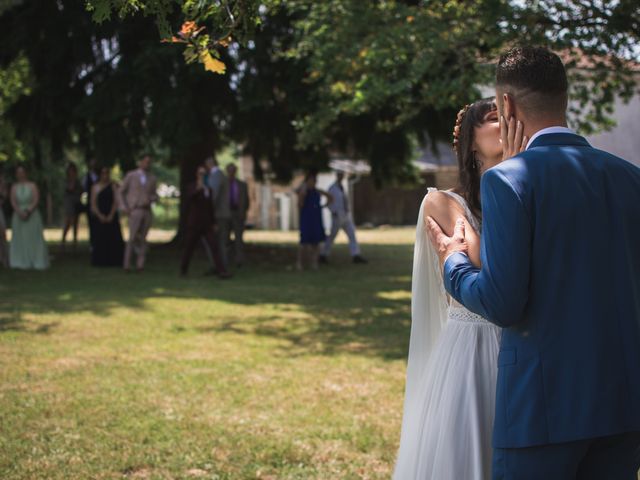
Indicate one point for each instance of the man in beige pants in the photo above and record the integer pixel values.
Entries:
(138, 193)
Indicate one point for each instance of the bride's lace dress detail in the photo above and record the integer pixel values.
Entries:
(451, 378)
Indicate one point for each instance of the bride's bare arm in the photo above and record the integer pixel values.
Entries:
(445, 211)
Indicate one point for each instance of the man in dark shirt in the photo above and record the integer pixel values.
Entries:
(238, 205)
(200, 222)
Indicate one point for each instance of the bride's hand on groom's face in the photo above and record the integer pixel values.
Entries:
(444, 245)
(512, 137)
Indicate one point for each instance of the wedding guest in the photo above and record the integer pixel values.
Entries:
(108, 246)
(138, 194)
(4, 251)
(219, 184)
(200, 223)
(72, 204)
(28, 249)
(341, 219)
(311, 227)
(239, 205)
(90, 178)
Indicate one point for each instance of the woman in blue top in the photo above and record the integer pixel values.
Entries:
(311, 228)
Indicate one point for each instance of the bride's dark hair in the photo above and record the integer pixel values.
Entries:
(469, 173)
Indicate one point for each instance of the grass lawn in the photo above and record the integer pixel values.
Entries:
(275, 374)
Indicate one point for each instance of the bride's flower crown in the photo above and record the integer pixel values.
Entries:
(456, 129)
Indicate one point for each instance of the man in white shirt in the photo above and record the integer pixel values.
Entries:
(341, 219)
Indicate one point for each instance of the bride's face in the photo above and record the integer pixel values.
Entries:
(487, 144)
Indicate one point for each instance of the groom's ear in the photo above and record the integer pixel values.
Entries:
(508, 106)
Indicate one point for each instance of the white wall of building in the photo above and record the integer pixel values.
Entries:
(624, 139)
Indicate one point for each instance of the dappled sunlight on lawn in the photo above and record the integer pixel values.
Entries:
(373, 236)
(293, 375)
(395, 295)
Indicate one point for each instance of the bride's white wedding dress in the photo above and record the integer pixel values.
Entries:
(451, 378)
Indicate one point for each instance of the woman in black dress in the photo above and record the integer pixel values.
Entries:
(108, 246)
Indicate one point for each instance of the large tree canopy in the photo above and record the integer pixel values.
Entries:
(14, 83)
(366, 76)
(110, 89)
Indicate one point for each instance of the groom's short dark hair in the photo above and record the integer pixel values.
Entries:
(536, 78)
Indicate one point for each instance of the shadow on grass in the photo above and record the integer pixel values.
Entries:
(13, 322)
(342, 308)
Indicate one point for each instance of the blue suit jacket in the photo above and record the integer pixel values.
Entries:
(561, 273)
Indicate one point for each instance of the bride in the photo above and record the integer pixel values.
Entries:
(452, 367)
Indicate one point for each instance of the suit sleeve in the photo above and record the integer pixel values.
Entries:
(124, 190)
(500, 289)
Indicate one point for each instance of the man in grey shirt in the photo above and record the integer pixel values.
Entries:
(341, 219)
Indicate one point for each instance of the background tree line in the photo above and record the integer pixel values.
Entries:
(302, 79)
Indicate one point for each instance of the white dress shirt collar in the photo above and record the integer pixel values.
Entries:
(547, 131)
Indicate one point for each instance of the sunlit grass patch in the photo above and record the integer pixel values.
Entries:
(273, 374)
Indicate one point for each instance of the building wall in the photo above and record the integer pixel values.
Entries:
(395, 205)
(624, 139)
(389, 205)
(274, 206)
(445, 178)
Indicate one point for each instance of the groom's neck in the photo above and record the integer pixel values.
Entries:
(533, 125)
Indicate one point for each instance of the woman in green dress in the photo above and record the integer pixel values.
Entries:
(28, 249)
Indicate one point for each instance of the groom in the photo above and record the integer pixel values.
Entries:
(561, 273)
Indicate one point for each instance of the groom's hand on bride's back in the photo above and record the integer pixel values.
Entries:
(446, 246)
